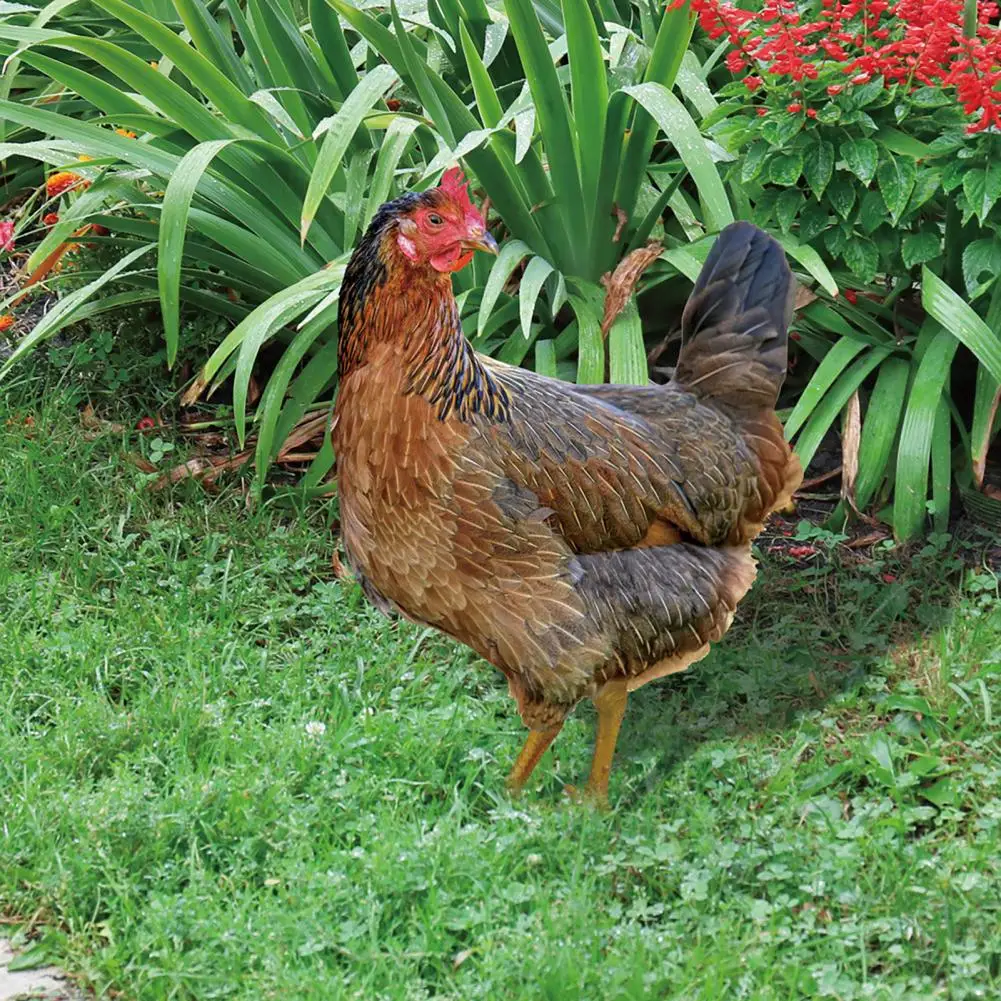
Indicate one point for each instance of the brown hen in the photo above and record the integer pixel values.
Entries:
(583, 539)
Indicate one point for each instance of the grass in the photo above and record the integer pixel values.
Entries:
(814, 811)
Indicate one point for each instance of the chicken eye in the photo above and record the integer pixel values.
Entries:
(434, 219)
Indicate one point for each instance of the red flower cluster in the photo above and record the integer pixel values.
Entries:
(913, 43)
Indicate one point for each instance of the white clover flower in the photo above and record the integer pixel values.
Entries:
(314, 728)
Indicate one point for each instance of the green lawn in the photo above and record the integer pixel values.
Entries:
(813, 811)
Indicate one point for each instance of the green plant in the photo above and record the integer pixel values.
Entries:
(238, 129)
(260, 161)
(562, 163)
(871, 160)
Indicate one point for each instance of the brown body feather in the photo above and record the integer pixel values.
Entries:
(570, 535)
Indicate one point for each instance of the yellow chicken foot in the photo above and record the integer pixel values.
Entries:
(535, 746)
(611, 705)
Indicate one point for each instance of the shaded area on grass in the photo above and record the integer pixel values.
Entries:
(813, 811)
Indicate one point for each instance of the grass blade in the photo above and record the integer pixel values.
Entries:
(911, 484)
(333, 45)
(826, 413)
(941, 467)
(278, 310)
(536, 273)
(273, 397)
(811, 261)
(626, 350)
(956, 316)
(206, 78)
(545, 358)
(394, 145)
(834, 362)
(589, 91)
(879, 429)
(511, 255)
(590, 343)
(554, 120)
(173, 227)
(340, 130)
(662, 69)
(261, 324)
(678, 125)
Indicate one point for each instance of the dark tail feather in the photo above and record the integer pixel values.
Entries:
(735, 323)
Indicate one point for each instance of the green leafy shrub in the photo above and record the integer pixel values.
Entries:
(235, 170)
(868, 135)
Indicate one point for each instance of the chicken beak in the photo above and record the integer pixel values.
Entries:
(482, 241)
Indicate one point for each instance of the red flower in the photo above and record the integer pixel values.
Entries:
(96, 229)
(752, 83)
(851, 295)
(50, 218)
(145, 424)
(6, 235)
(889, 578)
(811, 112)
(761, 112)
(801, 552)
(913, 43)
(6, 322)
(794, 107)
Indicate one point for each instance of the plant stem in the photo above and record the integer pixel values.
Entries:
(970, 19)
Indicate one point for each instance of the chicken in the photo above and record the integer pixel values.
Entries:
(585, 540)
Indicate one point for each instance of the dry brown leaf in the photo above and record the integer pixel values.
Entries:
(817, 480)
(92, 422)
(253, 391)
(341, 572)
(804, 297)
(202, 468)
(194, 391)
(851, 435)
(619, 285)
(139, 461)
(620, 224)
(312, 425)
(981, 448)
(460, 957)
(869, 539)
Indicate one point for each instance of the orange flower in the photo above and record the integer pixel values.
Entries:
(50, 218)
(63, 181)
(126, 133)
(6, 322)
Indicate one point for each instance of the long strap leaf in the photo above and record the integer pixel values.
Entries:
(339, 131)
(173, 226)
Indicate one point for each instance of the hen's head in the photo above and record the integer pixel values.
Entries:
(440, 228)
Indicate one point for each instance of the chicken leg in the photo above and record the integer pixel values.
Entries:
(610, 702)
(531, 754)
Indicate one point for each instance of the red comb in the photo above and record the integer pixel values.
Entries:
(453, 183)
